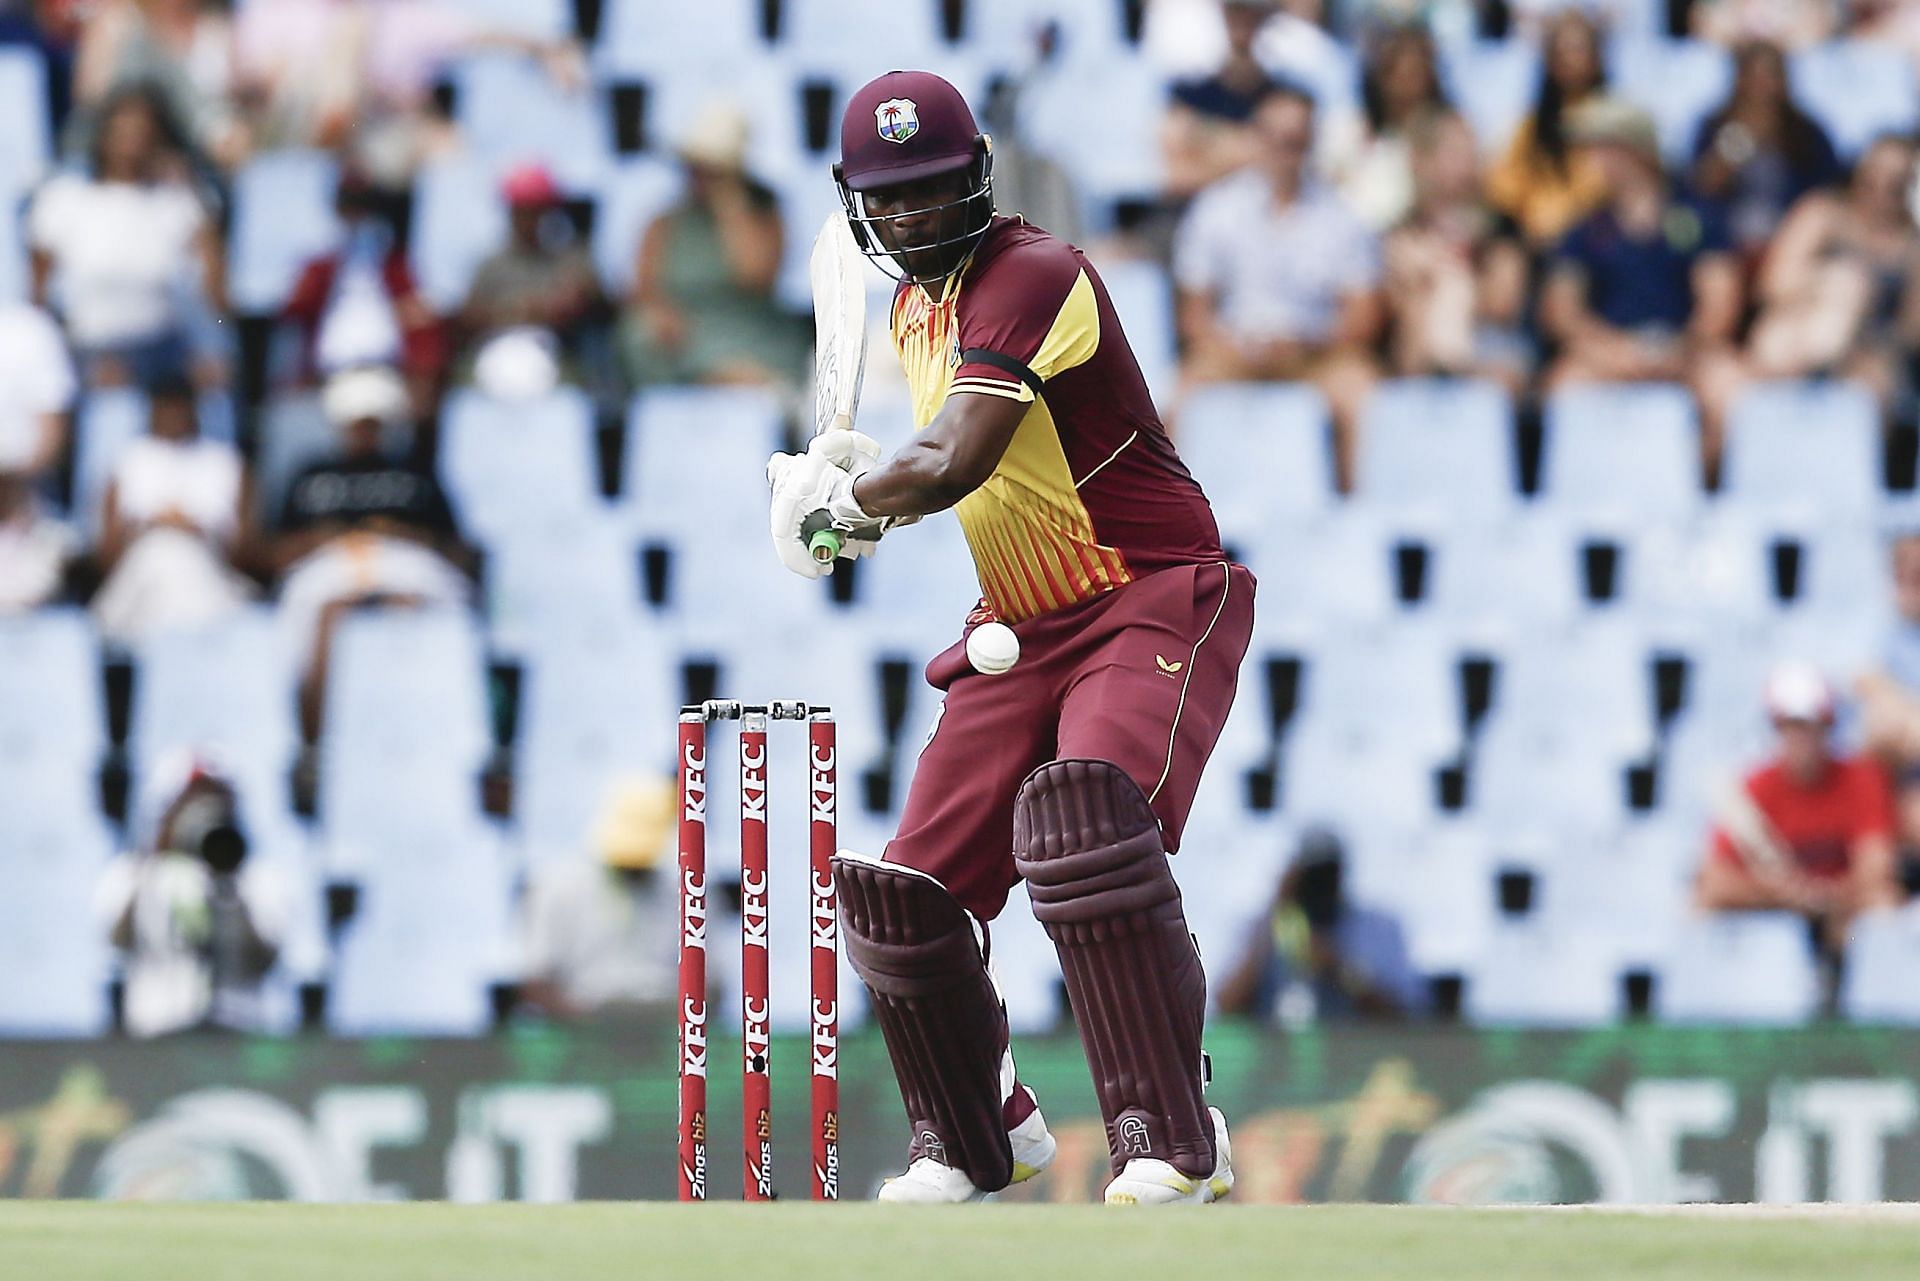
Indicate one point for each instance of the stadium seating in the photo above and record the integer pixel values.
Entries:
(1617, 457)
(1143, 299)
(1493, 82)
(458, 219)
(1883, 956)
(283, 216)
(630, 197)
(53, 944)
(1806, 451)
(1678, 82)
(1857, 89)
(1748, 969)
(52, 714)
(432, 933)
(1263, 454)
(511, 110)
(1438, 452)
(505, 463)
(1542, 978)
(26, 145)
(228, 688)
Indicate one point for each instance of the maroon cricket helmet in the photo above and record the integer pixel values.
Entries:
(902, 127)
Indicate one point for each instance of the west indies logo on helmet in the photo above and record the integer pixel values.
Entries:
(915, 175)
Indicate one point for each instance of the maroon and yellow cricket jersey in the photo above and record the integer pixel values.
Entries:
(1090, 495)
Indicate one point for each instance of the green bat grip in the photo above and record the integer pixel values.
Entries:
(825, 545)
(823, 540)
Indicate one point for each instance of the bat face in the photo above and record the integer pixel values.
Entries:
(839, 324)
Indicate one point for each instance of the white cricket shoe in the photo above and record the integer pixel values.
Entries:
(1145, 1181)
(929, 1182)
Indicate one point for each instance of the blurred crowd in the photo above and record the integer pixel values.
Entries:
(1331, 238)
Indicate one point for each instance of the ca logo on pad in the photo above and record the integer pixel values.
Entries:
(898, 119)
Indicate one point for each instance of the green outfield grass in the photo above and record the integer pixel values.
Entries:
(274, 1242)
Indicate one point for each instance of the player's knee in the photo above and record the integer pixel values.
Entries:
(904, 930)
(1088, 844)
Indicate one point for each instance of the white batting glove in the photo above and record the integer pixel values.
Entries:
(806, 486)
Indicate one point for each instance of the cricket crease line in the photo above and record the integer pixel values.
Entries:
(1179, 708)
(1110, 457)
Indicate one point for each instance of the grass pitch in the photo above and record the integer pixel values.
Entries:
(80, 1241)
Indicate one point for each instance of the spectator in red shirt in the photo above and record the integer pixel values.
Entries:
(1808, 832)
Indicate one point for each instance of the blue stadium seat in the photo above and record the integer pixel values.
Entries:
(558, 580)
(1618, 457)
(13, 250)
(1004, 31)
(1593, 685)
(827, 659)
(52, 712)
(1442, 890)
(53, 952)
(1439, 451)
(1493, 82)
(1628, 891)
(1843, 572)
(1883, 955)
(1143, 299)
(1679, 82)
(1337, 575)
(634, 193)
(1857, 89)
(1714, 573)
(1806, 450)
(431, 934)
(26, 145)
(635, 41)
(1751, 968)
(1543, 978)
(735, 430)
(593, 710)
(507, 463)
(886, 33)
(105, 423)
(282, 216)
(1399, 688)
(916, 591)
(512, 111)
(406, 723)
(538, 19)
(458, 219)
(229, 687)
(1363, 787)
(1101, 150)
(1263, 453)
(1492, 584)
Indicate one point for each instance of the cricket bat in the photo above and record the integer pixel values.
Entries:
(836, 272)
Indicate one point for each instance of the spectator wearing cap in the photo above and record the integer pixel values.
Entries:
(1889, 691)
(703, 308)
(174, 526)
(1646, 287)
(1810, 831)
(1318, 954)
(1207, 131)
(539, 287)
(598, 934)
(365, 527)
(359, 304)
(1279, 279)
(1840, 287)
(1541, 181)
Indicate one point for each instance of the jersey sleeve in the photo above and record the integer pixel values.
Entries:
(1031, 317)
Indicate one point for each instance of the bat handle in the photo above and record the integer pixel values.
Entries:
(823, 540)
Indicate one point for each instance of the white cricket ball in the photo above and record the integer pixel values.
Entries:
(992, 648)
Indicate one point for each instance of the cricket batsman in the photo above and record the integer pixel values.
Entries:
(1074, 769)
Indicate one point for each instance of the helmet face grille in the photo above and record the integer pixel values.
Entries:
(943, 256)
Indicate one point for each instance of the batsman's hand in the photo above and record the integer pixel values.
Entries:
(807, 489)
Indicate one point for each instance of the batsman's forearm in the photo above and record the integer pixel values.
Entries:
(917, 481)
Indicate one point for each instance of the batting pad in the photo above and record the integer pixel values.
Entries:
(1089, 847)
(916, 949)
